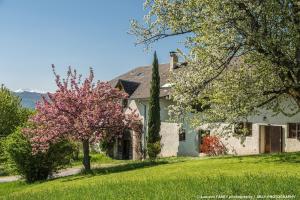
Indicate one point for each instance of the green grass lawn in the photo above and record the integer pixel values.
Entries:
(182, 178)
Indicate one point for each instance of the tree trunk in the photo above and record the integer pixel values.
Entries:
(86, 155)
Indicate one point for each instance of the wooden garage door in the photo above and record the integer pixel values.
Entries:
(273, 139)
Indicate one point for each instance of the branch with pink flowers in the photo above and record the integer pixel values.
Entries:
(79, 111)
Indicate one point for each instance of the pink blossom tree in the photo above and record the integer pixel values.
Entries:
(79, 111)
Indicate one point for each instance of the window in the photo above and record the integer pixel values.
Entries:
(243, 128)
(294, 130)
(182, 135)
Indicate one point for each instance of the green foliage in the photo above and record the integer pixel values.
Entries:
(1, 149)
(187, 178)
(153, 140)
(12, 114)
(106, 145)
(3, 159)
(153, 149)
(76, 150)
(40, 166)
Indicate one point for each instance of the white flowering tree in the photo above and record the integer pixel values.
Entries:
(244, 55)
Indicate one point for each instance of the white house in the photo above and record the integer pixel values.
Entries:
(267, 134)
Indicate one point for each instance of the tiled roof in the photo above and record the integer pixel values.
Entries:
(137, 82)
(142, 77)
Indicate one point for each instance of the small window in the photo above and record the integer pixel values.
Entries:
(243, 128)
(182, 135)
(294, 130)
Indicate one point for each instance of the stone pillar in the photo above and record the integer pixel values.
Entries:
(137, 153)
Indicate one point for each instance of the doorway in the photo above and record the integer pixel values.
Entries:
(126, 150)
(271, 139)
(125, 146)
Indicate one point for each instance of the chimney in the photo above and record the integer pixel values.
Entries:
(173, 60)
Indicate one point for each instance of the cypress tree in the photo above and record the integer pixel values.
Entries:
(153, 142)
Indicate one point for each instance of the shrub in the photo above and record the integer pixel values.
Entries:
(1, 150)
(12, 114)
(212, 146)
(35, 167)
(3, 170)
(153, 150)
(106, 146)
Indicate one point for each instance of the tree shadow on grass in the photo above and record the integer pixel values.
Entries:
(283, 158)
(116, 169)
(291, 158)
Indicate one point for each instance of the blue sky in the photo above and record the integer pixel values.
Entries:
(82, 33)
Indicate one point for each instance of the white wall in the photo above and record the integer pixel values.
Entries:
(169, 131)
(236, 145)
(292, 145)
(190, 146)
(243, 146)
(254, 144)
(169, 139)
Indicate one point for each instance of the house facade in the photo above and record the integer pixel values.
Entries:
(267, 133)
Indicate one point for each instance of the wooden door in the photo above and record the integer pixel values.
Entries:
(273, 139)
(276, 140)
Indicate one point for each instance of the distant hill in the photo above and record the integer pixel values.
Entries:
(29, 98)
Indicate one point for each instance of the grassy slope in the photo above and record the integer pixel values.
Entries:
(173, 179)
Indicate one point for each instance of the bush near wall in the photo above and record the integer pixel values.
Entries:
(212, 146)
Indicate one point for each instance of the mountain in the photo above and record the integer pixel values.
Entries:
(29, 97)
